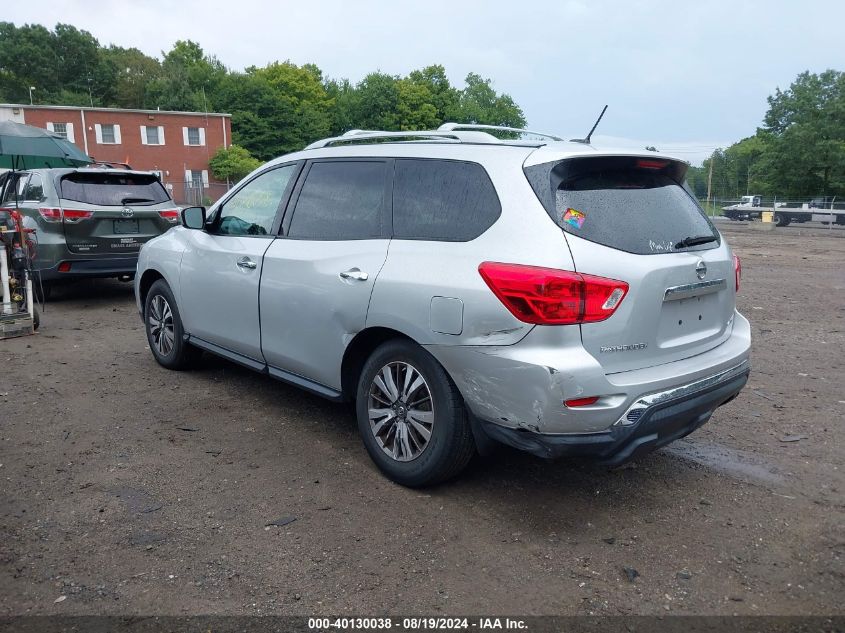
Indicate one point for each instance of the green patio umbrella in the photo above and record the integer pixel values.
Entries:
(27, 147)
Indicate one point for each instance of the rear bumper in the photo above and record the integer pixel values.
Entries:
(650, 422)
(518, 391)
(91, 268)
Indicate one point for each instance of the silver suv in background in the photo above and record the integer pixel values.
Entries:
(462, 290)
(89, 222)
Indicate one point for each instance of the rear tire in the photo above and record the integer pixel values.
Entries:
(411, 416)
(165, 334)
(781, 219)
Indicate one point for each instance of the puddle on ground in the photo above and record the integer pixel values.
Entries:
(737, 463)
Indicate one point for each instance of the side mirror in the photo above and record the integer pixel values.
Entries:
(193, 217)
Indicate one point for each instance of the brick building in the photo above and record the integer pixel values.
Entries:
(177, 145)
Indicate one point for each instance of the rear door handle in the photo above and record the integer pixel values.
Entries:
(246, 263)
(355, 274)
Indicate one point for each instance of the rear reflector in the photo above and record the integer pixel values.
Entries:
(547, 296)
(737, 271)
(64, 267)
(72, 216)
(171, 215)
(581, 402)
(50, 215)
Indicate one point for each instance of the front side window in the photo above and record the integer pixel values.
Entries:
(340, 201)
(252, 209)
(442, 200)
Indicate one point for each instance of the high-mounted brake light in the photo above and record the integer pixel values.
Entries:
(737, 271)
(171, 215)
(50, 215)
(72, 216)
(547, 296)
(645, 163)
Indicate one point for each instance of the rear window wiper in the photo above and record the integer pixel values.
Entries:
(695, 241)
(135, 200)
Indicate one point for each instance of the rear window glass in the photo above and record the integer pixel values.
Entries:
(442, 200)
(110, 189)
(634, 205)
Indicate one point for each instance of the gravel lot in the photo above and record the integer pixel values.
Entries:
(129, 489)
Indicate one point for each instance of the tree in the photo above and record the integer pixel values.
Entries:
(479, 103)
(276, 109)
(123, 77)
(376, 102)
(804, 131)
(232, 163)
(188, 78)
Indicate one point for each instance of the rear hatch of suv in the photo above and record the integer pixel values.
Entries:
(631, 218)
(113, 213)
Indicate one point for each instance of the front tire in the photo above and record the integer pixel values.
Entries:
(165, 334)
(411, 416)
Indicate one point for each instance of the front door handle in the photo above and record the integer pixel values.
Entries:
(355, 274)
(247, 263)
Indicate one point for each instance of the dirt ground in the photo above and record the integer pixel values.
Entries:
(129, 489)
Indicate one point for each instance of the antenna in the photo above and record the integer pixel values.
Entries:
(586, 140)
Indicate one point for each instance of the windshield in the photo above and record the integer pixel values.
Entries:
(110, 189)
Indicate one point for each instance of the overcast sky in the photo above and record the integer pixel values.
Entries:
(684, 76)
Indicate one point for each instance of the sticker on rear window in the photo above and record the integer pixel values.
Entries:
(574, 218)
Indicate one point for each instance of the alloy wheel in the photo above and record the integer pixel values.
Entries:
(160, 321)
(401, 411)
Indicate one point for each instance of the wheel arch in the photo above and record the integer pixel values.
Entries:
(148, 278)
(357, 353)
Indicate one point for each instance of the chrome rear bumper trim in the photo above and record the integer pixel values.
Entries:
(686, 291)
(634, 412)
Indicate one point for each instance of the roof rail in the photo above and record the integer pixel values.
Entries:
(440, 136)
(451, 127)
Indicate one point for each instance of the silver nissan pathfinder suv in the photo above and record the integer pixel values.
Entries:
(462, 290)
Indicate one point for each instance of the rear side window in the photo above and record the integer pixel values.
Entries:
(340, 201)
(630, 204)
(110, 189)
(14, 189)
(442, 200)
(34, 189)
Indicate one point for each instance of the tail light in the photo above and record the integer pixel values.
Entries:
(546, 296)
(68, 215)
(171, 215)
(737, 271)
(50, 214)
(72, 216)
